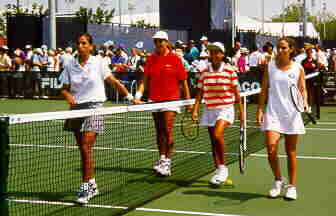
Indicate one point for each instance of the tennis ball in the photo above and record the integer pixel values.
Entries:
(228, 182)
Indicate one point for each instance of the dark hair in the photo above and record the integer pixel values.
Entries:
(87, 36)
(254, 47)
(267, 45)
(291, 43)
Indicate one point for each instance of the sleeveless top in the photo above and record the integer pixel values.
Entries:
(281, 115)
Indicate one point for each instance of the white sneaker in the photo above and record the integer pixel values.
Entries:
(220, 176)
(157, 165)
(276, 188)
(165, 168)
(86, 192)
(291, 193)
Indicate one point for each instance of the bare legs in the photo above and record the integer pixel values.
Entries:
(85, 141)
(272, 142)
(164, 125)
(217, 142)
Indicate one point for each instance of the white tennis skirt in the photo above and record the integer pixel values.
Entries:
(86, 124)
(211, 116)
(165, 109)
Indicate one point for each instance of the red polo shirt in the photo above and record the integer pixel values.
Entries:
(164, 74)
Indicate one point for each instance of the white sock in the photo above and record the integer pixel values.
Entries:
(92, 181)
(163, 157)
(222, 167)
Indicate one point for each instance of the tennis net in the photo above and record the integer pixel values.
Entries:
(41, 168)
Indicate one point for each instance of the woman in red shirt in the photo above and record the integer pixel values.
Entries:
(164, 76)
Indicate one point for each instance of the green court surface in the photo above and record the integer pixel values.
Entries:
(248, 195)
(316, 183)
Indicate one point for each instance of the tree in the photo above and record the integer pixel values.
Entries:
(293, 13)
(13, 9)
(326, 27)
(143, 24)
(98, 17)
(2, 25)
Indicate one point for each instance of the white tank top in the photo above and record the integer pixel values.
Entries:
(281, 115)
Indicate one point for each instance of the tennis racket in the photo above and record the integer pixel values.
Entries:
(189, 127)
(297, 99)
(242, 150)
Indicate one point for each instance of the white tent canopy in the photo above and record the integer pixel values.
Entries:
(243, 22)
(149, 18)
(276, 28)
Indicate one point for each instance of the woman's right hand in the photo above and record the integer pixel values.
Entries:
(260, 117)
(194, 115)
(71, 100)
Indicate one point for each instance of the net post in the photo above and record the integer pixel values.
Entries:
(4, 164)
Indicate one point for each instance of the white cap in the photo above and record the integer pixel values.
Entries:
(216, 46)
(203, 38)
(44, 47)
(204, 54)
(39, 51)
(108, 43)
(139, 45)
(17, 52)
(68, 49)
(28, 46)
(5, 47)
(244, 50)
(160, 35)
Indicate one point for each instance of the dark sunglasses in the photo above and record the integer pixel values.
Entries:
(159, 40)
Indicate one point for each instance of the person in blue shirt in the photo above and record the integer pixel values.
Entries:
(192, 52)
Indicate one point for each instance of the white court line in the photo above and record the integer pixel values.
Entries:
(102, 148)
(321, 129)
(178, 151)
(326, 123)
(117, 207)
(298, 157)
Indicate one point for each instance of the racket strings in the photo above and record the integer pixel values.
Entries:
(190, 127)
(297, 98)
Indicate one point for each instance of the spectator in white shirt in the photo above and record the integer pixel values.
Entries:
(5, 61)
(322, 58)
(255, 61)
(133, 60)
(65, 58)
(204, 43)
(29, 57)
(5, 66)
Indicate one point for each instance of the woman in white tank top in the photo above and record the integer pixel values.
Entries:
(281, 117)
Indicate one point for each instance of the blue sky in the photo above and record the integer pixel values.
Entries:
(246, 7)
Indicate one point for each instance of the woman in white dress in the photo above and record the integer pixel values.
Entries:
(281, 117)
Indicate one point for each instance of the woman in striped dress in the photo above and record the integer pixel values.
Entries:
(219, 87)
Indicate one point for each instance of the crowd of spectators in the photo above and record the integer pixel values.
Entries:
(194, 56)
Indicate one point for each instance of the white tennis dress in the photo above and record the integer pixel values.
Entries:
(281, 115)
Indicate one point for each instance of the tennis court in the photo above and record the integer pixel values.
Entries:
(247, 197)
(316, 183)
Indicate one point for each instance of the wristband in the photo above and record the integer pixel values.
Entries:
(129, 97)
(138, 95)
